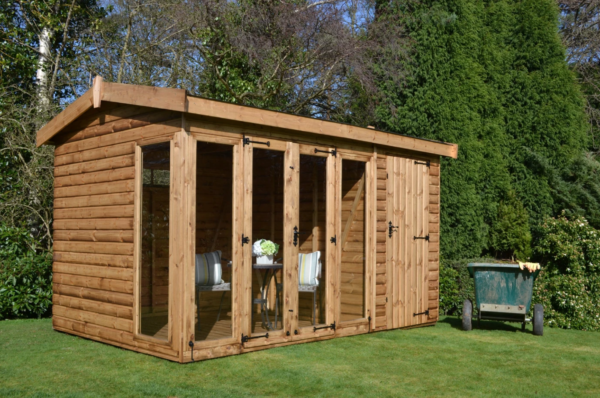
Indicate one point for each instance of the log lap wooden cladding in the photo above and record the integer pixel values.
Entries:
(93, 227)
(94, 232)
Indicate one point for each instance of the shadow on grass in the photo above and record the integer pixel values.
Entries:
(456, 323)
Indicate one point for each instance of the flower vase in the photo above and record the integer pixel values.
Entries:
(264, 260)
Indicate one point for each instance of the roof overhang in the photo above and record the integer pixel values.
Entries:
(178, 100)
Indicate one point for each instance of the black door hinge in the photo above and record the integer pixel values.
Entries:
(333, 152)
(245, 240)
(427, 163)
(426, 237)
(247, 142)
(245, 339)
(422, 313)
(296, 233)
(391, 229)
(332, 327)
(334, 240)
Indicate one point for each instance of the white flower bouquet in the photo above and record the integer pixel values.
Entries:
(264, 250)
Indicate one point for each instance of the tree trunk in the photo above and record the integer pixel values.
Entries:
(42, 71)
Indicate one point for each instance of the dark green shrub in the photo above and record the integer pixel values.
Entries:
(15, 242)
(26, 286)
(456, 285)
(510, 235)
(449, 290)
(569, 284)
(25, 276)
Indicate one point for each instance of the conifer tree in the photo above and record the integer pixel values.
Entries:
(492, 77)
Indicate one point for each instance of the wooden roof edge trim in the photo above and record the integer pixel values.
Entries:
(245, 114)
(63, 119)
(178, 100)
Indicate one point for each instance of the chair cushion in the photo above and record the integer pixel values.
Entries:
(208, 269)
(308, 268)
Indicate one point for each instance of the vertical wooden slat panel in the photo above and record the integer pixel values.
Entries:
(389, 247)
(291, 193)
(368, 242)
(398, 220)
(331, 230)
(425, 223)
(246, 282)
(177, 246)
(408, 249)
(420, 243)
(188, 212)
(236, 248)
(338, 227)
(402, 247)
(415, 243)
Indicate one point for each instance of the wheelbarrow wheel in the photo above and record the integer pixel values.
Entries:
(467, 315)
(538, 320)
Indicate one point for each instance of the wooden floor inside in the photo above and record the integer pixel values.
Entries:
(208, 328)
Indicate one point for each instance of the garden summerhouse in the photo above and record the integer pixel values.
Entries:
(159, 197)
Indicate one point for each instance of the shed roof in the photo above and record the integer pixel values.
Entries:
(178, 100)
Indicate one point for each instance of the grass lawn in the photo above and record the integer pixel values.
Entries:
(495, 360)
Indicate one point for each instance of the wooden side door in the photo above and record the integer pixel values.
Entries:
(408, 240)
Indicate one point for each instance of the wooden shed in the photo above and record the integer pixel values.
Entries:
(159, 197)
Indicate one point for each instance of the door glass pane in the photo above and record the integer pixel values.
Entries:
(267, 223)
(352, 297)
(154, 292)
(214, 235)
(312, 240)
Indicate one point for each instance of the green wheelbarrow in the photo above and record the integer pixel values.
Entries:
(503, 293)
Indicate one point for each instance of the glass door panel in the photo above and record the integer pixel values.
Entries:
(267, 223)
(154, 232)
(353, 242)
(214, 240)
(312, 264)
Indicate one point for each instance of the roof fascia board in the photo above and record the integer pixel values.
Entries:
(63, 119)
(238, 113)
(177, 100)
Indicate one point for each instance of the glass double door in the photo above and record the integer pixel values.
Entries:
(291, 224)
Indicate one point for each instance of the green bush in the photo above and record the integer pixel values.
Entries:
(456, 285)
(510, 235)
(25, 276)
(569, 284)
(26, 286)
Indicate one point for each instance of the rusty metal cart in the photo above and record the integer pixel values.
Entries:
(503, 293)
